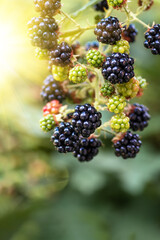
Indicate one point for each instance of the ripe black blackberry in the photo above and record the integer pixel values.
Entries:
(92, 45)
(64, 138)
(152, 41)
(42, 32)
(108, 30)
(130, 33)
(101, 5)
(139, 117)
(128, 146)
(87, 149)
(86, 119)
(118, 68)
(61, 55)
(52, 90)
(47, 7)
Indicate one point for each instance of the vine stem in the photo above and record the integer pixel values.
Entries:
(86, 6)
(77, 31)
(108, 131)
(140, 21)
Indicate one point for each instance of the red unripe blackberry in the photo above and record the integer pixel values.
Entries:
(64, 138)
(47, 7)
(152, 41)
(108, 30)
(130, 33)
(52, 107)
(52, 90)
(61, 55)
(87, 149)
(86, 119)
(101, 6)
(118, 68)
(42, 32)
(128, 146)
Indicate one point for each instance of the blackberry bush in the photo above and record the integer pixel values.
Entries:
(47, 7)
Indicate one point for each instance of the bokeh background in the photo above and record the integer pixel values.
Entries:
(44, 195)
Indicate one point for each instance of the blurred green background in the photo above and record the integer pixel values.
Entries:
(44, 195)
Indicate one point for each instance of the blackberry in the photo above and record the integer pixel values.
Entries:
(121, 46)
(42, 32)
(95, 58)
(92, 45)
(107, 90)
(116, 104)
(61, 55)
(120, 123)
(118, 68)
(139, 117)
(108, 30)
(42, 54)
(116, 3)
(47, 7)
(128, 146)
(87, 149)
(60, 73)
(152, 41)
(78, 74)
(101, 6)
(47, 123)
(64, 138)
(51, 90)
(130, 33)
(52, 107)
(86, 119)
(129, 89)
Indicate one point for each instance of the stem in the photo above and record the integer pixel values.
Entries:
(140, 21)
(77, 31)
(108, 131)
(85, 7)
(70, 18)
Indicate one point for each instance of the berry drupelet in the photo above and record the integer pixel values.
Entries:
(78, 74)
(60, 73)
(152, 41)
(87, 149)
(52, 90)
(108, 30)
(43, 32)
(121, 46)
(130, 33)
(120, 123)
(118, 68)
(101, 6)
(64, 138)
(129, 89)
(52, 107)
(86, 119)
(128, 146)
(95, 58)
(47, 123)
(47, 7)
(107, 90)
(116, 104)
(139, 117)
(61, 55)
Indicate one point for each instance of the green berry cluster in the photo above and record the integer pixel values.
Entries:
(142, 82)
(130, 89)
(120, 123)
(121, 46)
(47, 123)
(95, 58)
(116, 3)
(42, 54)
(78, 74)
(107, 90)
(116, 104)
(60, 73)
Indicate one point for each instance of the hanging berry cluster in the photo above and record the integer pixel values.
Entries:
(97, 77)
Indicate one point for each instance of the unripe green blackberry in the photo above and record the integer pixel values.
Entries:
(42, 54)
(47, 123)
(47, 7)
(107, 90)
(95, 58)
(129, 89)
(116, 104)
(120, 123)
(116, 3)
(60, 73)
(142, 82)
(121, 46)
(78, 74)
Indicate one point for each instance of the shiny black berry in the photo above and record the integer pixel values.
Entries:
(42, 32)
(92, 45)
(152, 41)
(118, 68)
(52, 90)
(87, 149)
(139, 117)
(128, 146)
(61, 55)
(108, 30)
(130, 33)
(101, 6)
(64, 138)
(86, 119)
(47, 7)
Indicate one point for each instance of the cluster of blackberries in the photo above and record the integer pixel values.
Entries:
(139, 117)
(152, 41)
(108, 30)
(61, 55)
(43, 32)
(130, 33)
(128, 146)
(52, 90)
(47, 7)
(101, 6)
(118, 68)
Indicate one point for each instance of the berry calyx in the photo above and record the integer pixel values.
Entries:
(47, 123)
(60, 73)
(130, 89)
(78, 74)
(116, 3)
(101, 6)
(47, 7)
(52, 107)
(116, 104)
(121, 46)
(129, 33)
(95, 58)
(120, 123)
(107, 90)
